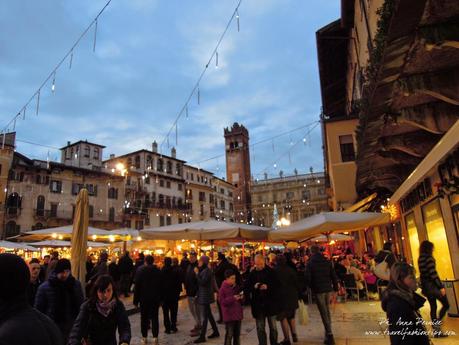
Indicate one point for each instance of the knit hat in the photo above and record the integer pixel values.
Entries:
(15, 276)
(204, 259)
(62, 265)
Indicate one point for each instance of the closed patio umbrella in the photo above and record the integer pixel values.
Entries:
(80, 236)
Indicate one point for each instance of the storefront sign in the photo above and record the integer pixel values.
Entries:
(422, 192)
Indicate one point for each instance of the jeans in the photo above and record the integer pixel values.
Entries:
(206, 316)
(170, 309)
(149, 311)
(125, 284)
(261, 332)
(433, 307)
(194, 310)
(233, 333)
(323, 304)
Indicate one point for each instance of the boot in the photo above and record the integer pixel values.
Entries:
(329, 339)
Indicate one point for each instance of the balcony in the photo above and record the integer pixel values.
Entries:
(13, 212)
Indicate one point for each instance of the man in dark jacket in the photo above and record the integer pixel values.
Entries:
(224, 265)
(20, 324)
(44, 268)
(191, 288)
(320, 276)
(171, 285)
(147, 293)
(125, 266)
(205, 298)
(264, 288)
(35, 269)
(60, 297)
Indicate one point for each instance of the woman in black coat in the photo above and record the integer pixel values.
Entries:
(432, 287)
(101, 316)
(401, 305)
(288, 297)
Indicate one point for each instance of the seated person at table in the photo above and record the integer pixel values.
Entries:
(351, 269)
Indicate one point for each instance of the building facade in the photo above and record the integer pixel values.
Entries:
(295, 197)
(223, 199)
(42, 194)
(154, 187)
(199, 193)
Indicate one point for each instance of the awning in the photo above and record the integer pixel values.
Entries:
(208, 230)
(444, 146)
(59, 243)
(17, 246)
(362, 205)
(328, 222)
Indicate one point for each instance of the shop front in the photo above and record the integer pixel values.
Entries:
(429, 206)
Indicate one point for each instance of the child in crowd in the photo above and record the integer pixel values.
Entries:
(230, 298)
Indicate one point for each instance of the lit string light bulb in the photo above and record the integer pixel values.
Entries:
(216, 59)
(53, 86)
(237, 19)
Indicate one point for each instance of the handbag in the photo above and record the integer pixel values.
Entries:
(382, 270)
(303, 315)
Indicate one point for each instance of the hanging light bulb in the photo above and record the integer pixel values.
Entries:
(38, 101)
(216, 59)
(237, 19)
(275, 165)
(53, 86)
(71, 60)
(199, 96)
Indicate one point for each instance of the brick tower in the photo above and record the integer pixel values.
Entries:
(238, 170)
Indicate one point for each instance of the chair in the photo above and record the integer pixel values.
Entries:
(351, 284)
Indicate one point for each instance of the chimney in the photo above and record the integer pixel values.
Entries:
(173, 153)
(154, 147)
(112, 155)
(68, 143)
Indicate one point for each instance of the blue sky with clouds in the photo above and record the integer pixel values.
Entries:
(149, 54)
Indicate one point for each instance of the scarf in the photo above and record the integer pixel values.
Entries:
(105, 308)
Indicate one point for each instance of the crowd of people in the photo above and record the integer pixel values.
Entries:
(49, 302)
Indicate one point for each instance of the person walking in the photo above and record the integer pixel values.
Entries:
(52, 264)
(320, 276)
(114, 272)
(264, 289)
(35, 270)
(126, 267)
(191, 288)
(171, 285)
(20, 324)
(401, 305)
(289, 288)
(230, 298)
(60, 297)
(432, 287)
(89, 266)
(101, 316)
(44, 268)
(205, 298)
(147, 293)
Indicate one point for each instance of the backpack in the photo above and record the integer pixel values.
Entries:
(382, 270)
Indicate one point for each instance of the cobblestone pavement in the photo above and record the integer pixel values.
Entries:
(351, 320)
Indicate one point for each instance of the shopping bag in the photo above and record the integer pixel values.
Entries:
(303, 316)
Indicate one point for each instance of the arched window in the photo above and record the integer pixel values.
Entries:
(11, 229)
(161, 200)
(41, 206)
(159, 165)
(129, 162)
(137, 162)
(169, 167)
(91, 211)
(149, 162)
(87, 151)
(96, 153)
(111, 215)
(13, 203)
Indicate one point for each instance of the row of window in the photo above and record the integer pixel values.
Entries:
(305, 195)
(71, 154)
(199, 178)
(161, 165)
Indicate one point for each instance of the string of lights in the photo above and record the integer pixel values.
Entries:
(52, 75)
(195, 91)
